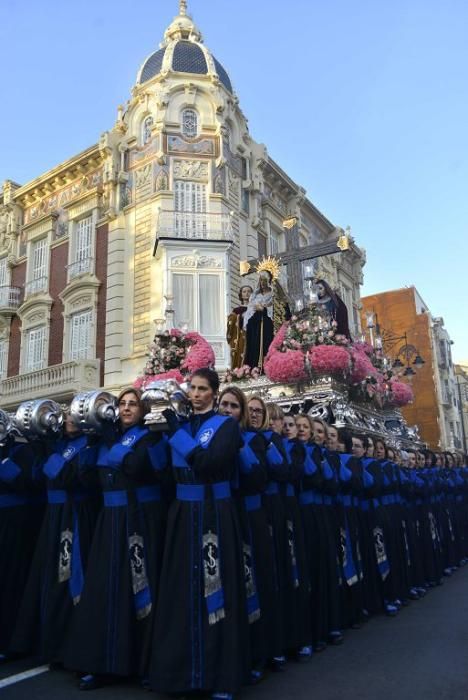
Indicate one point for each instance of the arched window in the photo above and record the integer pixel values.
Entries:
(146, 130)
(189, 123)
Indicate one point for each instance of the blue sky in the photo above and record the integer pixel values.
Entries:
(363, 103)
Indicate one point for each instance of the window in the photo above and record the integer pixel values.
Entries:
(197, 302)
(38, 271)
(4, 276)
(35, 348)
(245, 203)
(80, 335)
(190, 208)
(3, 358)
(146, 130)
(82, 248)
(189, 123)
(275, 242)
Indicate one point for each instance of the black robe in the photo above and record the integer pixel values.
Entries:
(21, 509)
(191, 650)
(47, 605)
(107, 635)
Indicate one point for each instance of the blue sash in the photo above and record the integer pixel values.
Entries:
(344, 473)
(247, 457)
(347, 559)
(113, 458)
(9, 470)
(182, 443)
(125, 446)
(57, 461)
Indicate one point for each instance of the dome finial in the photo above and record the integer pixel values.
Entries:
(182, 27)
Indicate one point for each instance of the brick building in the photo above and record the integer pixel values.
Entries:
(434, 410)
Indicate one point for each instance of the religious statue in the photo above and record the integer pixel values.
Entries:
(333, 306)
(235, 335)
(267, 310)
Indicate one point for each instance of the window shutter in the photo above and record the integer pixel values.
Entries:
(35, 349)
(3, 358)
(4, 281)
(39, 262)
(83, 240)
(80, 335)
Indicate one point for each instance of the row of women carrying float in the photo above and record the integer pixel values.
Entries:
(234, 543)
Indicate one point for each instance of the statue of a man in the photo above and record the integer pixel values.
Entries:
(235, 335)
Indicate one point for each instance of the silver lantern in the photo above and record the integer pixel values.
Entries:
(39, 418)
(162, 394)
(91, 410)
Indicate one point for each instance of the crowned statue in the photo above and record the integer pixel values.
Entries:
(267, 309)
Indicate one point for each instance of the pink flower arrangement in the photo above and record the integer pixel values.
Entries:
(277, 341)
(362, 367)
(285, 366)
(200, 353)
(240, 374)
(329, 358)
(402, 394)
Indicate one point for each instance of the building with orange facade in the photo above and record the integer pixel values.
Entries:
(405, 328)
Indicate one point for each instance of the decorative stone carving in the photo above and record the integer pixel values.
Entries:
(191, 170)
(196, 261)
(142, 175)
(176, 144)
(162, 181)
(219, 182)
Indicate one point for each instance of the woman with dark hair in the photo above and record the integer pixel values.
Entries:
(201, 637)
(111, 630)
(261, 594)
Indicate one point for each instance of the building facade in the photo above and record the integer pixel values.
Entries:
(461, 375)
(153, 218)
(407, 329)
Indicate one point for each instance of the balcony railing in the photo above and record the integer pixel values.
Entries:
(36, 286)
(57, 382)
(10, 297)
(194, 226)
(80, 267)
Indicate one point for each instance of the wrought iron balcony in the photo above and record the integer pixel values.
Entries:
(57, 382)
(194, 226)
(80, 267)
(10, 298)
(36, 286)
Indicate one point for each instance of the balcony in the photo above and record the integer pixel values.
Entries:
(36, 286)
(58, 382)
(10, 298)
(194, 226)
(80, 267)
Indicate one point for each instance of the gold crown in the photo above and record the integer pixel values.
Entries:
(271, 265)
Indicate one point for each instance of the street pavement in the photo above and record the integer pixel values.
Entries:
(420, 655)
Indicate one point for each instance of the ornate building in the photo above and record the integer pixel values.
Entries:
(153, 219)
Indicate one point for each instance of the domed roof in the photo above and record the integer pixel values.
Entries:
(183, 52)
(187, 57)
